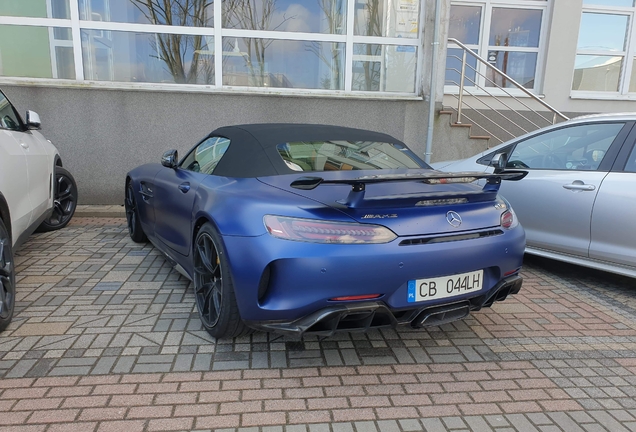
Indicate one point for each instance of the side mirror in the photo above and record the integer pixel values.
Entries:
(33, 120)
(499, 162)
(170, 159)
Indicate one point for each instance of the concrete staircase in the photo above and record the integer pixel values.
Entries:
(452, 141)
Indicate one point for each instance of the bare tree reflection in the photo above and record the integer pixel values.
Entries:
(372, 26)
(333, 10)
(252, 15)
(181, 53)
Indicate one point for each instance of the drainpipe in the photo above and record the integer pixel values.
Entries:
(431, 102)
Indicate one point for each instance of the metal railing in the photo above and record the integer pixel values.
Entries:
(501, 122)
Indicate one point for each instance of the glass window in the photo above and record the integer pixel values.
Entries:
(267, 43)
(147, 57)
(346, 155)
(515, 27)
(603, 62)
(8, 117)
(36, 52)
(520, 66)
(609, 2)
(399, 18)
(206, 156)
(387, 68)
(597, 73)
(191, 13)
(631, 162)
(36, 9)
(580, 147)
(632, 81)
(465, 24)
(454, 68)
(511, 42)
(256, 62)
(602, 32)
(320, 16)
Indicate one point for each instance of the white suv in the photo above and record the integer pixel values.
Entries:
(36, 193)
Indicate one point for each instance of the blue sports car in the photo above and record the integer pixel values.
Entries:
(313, 229)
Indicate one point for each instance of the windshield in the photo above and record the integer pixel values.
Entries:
(347, 155)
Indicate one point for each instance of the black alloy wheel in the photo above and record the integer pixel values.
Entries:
(7, 278)
(135, 230)
(213, 288)
(64, 201)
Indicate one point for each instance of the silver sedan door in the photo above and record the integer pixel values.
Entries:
(554, 201)
(613, 228)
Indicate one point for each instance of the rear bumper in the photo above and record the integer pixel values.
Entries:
(363, 316)
(284, 281)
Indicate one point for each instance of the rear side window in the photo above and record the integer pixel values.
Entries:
(8, 117)
(347, 155)
(631, 162)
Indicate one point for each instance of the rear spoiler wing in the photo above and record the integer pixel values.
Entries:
(358, 184)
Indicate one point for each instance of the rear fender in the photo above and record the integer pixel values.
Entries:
(237, 206)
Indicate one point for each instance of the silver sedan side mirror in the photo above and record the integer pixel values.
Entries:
(33, 120)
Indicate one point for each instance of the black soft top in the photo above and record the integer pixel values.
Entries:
(252, 151)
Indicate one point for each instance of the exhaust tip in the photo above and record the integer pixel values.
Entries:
(442, 315)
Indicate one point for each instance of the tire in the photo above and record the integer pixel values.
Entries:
(64, 201)
(213, 288)
(7, 278)
(135, 230)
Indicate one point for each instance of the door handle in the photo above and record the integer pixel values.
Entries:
(24, 145)
(184, 187)
(578, 185)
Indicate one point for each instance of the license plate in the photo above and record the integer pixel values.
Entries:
(444, 286)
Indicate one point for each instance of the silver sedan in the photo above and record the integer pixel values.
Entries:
(578, 201)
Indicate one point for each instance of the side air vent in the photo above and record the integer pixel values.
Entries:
(451, 238)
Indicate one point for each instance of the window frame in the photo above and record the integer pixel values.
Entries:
(483, 46)
(629, 53)
(218, 32)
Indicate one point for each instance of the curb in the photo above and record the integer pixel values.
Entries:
(100, 211)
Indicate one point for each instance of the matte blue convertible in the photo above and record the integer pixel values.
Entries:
(309, 229)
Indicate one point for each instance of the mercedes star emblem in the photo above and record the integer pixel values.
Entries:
(454, 219)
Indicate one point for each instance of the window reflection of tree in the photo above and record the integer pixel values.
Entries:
(333, 12)
(370, 26)
(369, 79)
(181, 53)
(252, 15)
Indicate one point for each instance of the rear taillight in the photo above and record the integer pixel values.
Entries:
(320, 231)
(508, 219)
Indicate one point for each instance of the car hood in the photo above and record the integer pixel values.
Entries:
(408, 208)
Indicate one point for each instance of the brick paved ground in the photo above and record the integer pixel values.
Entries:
(106, 337)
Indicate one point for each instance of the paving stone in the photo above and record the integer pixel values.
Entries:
(96, 305)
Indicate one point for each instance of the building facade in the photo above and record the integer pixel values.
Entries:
(117, 82)
(579, 55)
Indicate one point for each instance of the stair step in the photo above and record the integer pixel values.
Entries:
(461, 125)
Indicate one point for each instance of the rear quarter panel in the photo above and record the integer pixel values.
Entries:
(237, 206)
